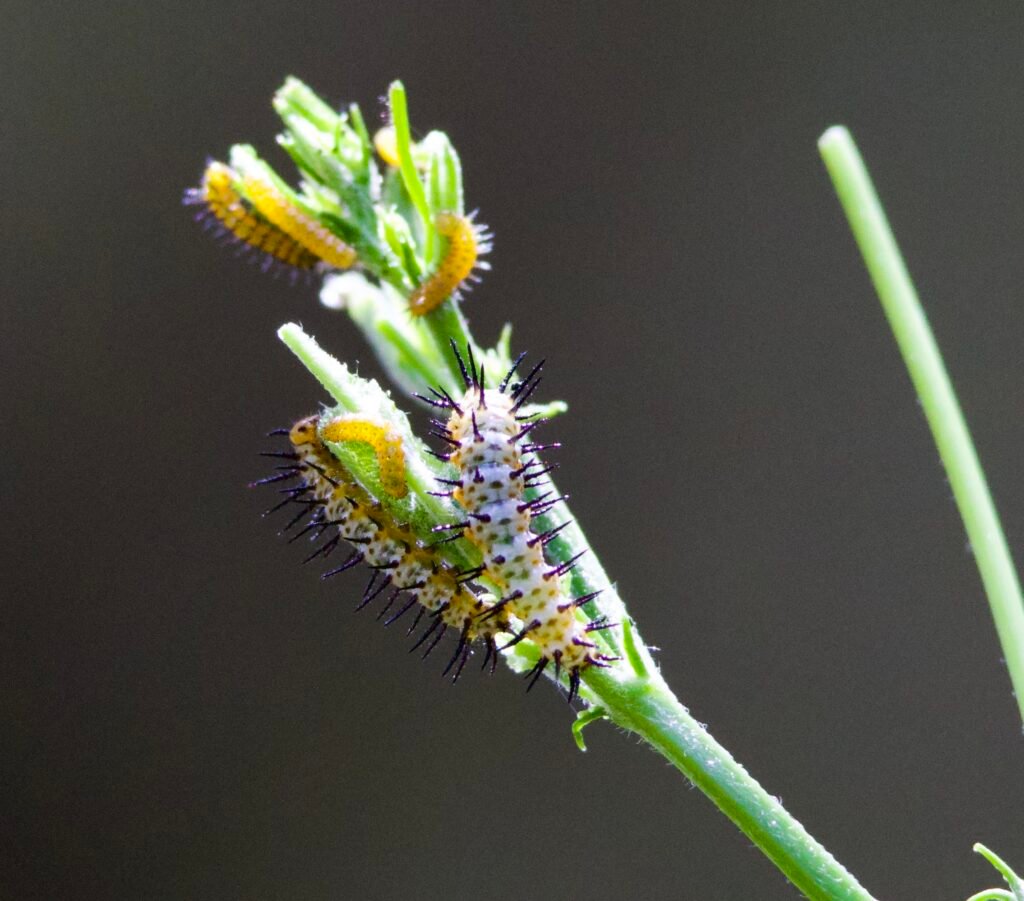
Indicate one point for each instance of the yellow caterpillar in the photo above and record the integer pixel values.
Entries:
(467, 241)
(218, 194)
(385, 441)
(277, 209)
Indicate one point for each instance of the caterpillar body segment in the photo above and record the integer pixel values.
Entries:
(337, 508)
(273, 205)
(467, 242)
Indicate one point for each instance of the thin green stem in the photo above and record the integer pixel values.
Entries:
(921, 354)
(646, 706)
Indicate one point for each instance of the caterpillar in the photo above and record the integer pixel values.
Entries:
(467, 241)
(222, 200)
(386, 145)
(272, 204)
(331, 499)
(486, 435)
(385, 441)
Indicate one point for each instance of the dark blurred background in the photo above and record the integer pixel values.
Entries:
(189, 714)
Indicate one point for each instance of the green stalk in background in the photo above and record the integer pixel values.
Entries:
(921, 354)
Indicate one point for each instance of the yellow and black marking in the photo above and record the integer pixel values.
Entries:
(335, 507)
(467, 242)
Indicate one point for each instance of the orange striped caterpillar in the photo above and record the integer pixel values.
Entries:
(467, 241)
(272, 204)
(332, 500)
(486, 433)
(223, 202)
(386, 442)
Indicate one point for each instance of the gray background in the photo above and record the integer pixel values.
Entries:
(188, 714)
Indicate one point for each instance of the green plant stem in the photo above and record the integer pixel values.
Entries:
(921, 354)
(646, 706)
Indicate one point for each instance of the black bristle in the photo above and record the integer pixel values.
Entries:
(273, 432)
(469, 575)
(518, 638)
(391, 600)
(519, 386)
(463, 641)
(448, 399)
(370, 593)
(544, 537)
(295, 520)
(439, 405)
(463, 660)
(309, 527)
(563, 568)
(541, 509)
(447, 528)
(323, 473)
(277, 507)
(599, 624)
(443, 437)
(416, 621)
(533, 503)
(472, 365)
(583, 599)
(353, 560)
(434, 643)
(430, 631)
(525, 396)
(408, 606)
(536, 672)
(525, 430)
(511, 372)
(461, 362)
(574, 685)
(540, 473)
(535, 448)
(269, 480)
(323, 550)
(500, 605)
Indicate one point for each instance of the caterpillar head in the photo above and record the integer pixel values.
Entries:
(304, 432)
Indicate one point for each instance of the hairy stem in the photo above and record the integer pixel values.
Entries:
(921, 354)
(646, 706)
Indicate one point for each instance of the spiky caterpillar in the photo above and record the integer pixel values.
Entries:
(222, 200)
(486, 433)
(334, 500)
(467, 241)
(272, 204)
(385, 441)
